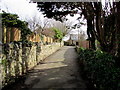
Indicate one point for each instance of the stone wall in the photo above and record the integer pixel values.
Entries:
(18, 58)
(47, 50)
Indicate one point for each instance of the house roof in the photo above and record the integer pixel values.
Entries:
(48, 32)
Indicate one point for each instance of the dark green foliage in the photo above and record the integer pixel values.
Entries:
(9, 20)
(25, 30)
(101, 69)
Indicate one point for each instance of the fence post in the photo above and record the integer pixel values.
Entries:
(4, 34)
(8, 34)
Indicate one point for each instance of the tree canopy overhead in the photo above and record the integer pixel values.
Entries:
(98, 19)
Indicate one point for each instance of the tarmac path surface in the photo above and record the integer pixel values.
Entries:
(59, 71)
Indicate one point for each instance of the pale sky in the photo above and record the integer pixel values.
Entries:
(23, 8)
(83, 27)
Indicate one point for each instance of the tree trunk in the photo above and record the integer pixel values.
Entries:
(91, 36)
(99, 28)
(118, 26)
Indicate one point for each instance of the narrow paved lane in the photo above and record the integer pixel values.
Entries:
(58, 71)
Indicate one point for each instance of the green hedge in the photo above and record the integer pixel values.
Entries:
(101, 69)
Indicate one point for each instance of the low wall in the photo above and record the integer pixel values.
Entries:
(47, 50)
(19, 58)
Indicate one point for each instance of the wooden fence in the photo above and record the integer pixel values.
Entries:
(36, 38)
(47, 39)
(11, 34)
(33, 37)
(84, 44)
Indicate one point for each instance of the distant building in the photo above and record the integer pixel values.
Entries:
(73, 40)
(48, 32)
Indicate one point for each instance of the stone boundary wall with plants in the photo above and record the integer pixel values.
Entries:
(18, 58)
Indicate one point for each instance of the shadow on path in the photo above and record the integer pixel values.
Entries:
(58, 71)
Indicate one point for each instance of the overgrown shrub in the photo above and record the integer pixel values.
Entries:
(100, 68)
(58, 34)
